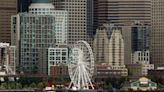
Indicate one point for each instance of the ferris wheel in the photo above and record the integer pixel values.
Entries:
(81, 66)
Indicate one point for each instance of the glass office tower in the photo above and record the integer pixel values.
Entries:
(34, 32)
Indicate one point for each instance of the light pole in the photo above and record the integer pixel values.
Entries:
(16, 80)
(2, 80)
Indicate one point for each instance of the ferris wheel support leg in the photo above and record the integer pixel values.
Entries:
(83, 81)
(87, 75)
(85, 78)
(73, 79)
(79, 77)
(69, 87)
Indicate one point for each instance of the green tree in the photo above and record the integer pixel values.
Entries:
(25, 86)
(40, 85)
(33, 85)
(4, 85)
(45, 84)
(11, 85)
(27, 81)
(19, 86)
(109, 86)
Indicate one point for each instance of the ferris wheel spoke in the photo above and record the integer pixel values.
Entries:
(87, 67)
(81, 65)
(73, 65)
(86, 63)
(86, 56)
(73, 71)
(75, 75)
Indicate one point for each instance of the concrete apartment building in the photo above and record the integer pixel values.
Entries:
(101, 42)
(157, 34)
(100, 46)
(80, 20)
(109, 49)
(7, 59)
(116, 49)
(7, 8)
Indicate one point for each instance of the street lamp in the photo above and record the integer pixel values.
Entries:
(2, 80)
(17, 78)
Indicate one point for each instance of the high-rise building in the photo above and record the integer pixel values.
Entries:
(136, 38)
(121, 11)
(7, 8)
(80, 20)
(100, 45)
(140, 37)
(116, 49)
(23, 5)
(157, 33)
(101, 39)
(108, 47)
(36, 31)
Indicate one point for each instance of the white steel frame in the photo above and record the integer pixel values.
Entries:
(81, 66)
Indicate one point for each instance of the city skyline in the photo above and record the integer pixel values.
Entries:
(87, 40)
(130, 31)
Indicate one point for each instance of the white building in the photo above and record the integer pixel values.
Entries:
(100, 46)
(7, 59)
(61, 18)
(35, 31)
(143, 58)
(57, 56)
(116, 51)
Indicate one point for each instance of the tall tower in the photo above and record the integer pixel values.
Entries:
(23, 5)
(100, 45)
(140, 37)
(116, 49)
(121, 11)
(7, 8)
(34, 32)
(157, 33)
(80, 20)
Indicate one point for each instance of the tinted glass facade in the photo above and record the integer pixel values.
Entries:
(140, 37)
